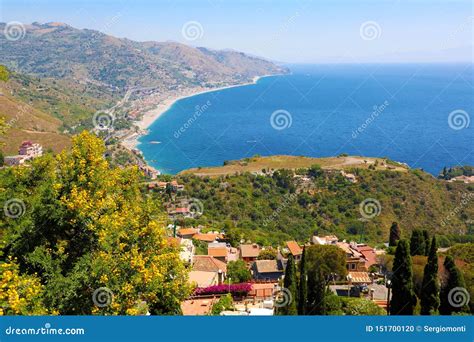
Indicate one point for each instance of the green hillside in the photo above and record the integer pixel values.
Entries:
(273, 208)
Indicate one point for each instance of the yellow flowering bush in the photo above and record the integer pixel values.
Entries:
(19, 294)
(96, 241)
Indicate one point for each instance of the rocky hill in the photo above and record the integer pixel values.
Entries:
(61, 51)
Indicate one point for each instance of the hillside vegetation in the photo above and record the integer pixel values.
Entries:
(274, 207)
(92, 57)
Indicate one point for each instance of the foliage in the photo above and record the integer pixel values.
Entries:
(430, 288)
(394, 234)
(88, 227)
(267, 254)
(238, 271)
(20, 294)
(4, 73)
(223, 304)
(417, 243)
(271, 209)
(303, 285)
(453, 280)
(352, 306)
(456, 171)
(403, 296)
(322, 262)
(290, 284)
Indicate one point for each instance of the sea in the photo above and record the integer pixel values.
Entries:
(418, 114)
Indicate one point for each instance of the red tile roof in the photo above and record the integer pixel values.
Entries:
(217, 251)
(208, 263)
(294, 248)
(249, 251)
(187, 231)
(209, 237)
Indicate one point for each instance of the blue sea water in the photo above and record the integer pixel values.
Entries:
(419, 114)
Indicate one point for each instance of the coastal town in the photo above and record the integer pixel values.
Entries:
(209, 272)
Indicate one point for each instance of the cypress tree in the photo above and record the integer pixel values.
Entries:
(430, 287)
(394, 234)
(289, 283)
(303, 286)
(403, 296)
(426, 237)
(417, 243)
(454, 279)
(316, 292)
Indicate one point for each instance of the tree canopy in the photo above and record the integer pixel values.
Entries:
(90, 235)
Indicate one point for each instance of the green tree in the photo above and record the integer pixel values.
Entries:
(430, 287)
(238, 271)
(417, 243)
(403, 296)
(303, 285)
(4, 73)
(323, 261)
(290, 285)
(90, 234)
(394, 234)
(426, 238)
(223, 304)
(267, 254)
(315, 171)
(454, 282)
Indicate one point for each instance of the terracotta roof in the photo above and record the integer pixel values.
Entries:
(197, 307)
(360, 277)
(187, 231)
(209, 237)
(294, 248)
(181, 210)
(249, 251)
(267, 266)
(202, 278)
(208, 263)
(217, 251)
(369, 254)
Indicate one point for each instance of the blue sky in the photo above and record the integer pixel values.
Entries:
(287, 31)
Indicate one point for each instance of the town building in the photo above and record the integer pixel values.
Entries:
(295, 250)
(267, 270)
(30, 149)
(15, 160)
(249, 253)
(218, 252)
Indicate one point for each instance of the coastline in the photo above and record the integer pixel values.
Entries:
(131, 141)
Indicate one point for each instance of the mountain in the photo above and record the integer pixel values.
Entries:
(88, 56)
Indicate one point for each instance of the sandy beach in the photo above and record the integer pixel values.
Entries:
(149, 117)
